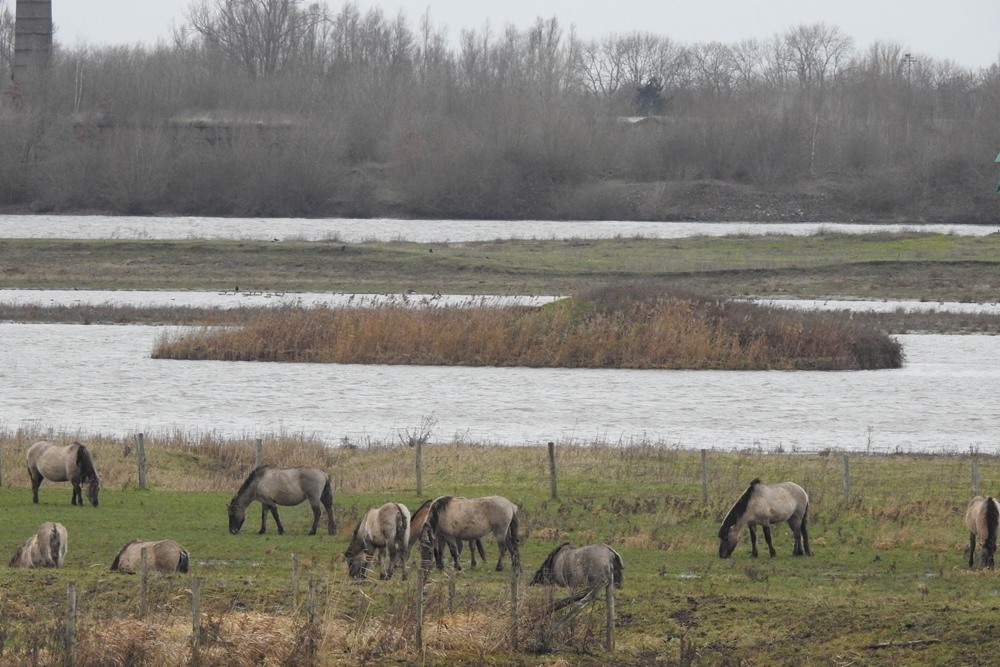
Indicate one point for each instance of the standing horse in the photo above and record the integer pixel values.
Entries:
(580, 568)
(161, 556)
(71, 463)
(765, 506)
(452, 519)
(419, 516)
(983, 519)
(46, 548)
(283, 486)
(382, 529)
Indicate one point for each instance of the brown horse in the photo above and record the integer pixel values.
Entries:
(71, 463)
(382, 530)
(766, 505)
(983, 519)
(46, 548)
(417, 519)
(161, 556)
(283, 486)
(453, 519)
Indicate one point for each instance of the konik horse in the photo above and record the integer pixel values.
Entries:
(383, 530)
(161, 556)
(46, 548)
(283, 486)
(453, 519)
(583, 567)
(765, 506)
(56, 463)
(982, 519)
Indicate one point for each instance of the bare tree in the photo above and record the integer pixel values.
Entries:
(261, 36)
(816, 52)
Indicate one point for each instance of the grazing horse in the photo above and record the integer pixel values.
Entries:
(584, 567)
(283, 486)
(767, 505)
(382, 529)
(452, 519)
(71, 463)
(46, 548)
(419, 516)
(982, 519)
(161, 556)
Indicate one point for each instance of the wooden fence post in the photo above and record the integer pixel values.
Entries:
(196, 622)
(71, 625)
(421, 579)
(609, 606)
(140, 454)
(452, 578)
(420, 467)
(552, 470)
(295, 581)
(513, 608)
(975, 477)
(704, 475)
(144, 583)
(847, 479)
(258, 456)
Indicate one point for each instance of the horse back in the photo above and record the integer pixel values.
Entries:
(291, 486)
(50, 460)
(777, 503)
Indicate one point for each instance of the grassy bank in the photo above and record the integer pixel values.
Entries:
(625, 327)
(888, 583)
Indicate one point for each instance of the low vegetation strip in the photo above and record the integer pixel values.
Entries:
(616, 327)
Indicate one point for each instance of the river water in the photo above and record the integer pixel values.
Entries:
(101, 379)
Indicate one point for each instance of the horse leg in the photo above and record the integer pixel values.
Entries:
(317, 511)
(972, 549)
(77, 498)
(453, 548)
(753, 540)
(36, 481)
(277, 520)
(805, 538)
(767, 536)
(263, 519)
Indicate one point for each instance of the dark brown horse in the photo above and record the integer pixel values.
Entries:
(283, 486)
(983, 521)
(765, 505)
(56, 463)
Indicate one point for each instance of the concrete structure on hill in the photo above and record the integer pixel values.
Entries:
(32, 37)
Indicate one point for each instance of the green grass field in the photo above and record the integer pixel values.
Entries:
(888, 562)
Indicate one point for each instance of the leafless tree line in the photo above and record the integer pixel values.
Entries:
(284, 107)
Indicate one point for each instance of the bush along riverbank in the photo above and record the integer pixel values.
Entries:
(609, 327)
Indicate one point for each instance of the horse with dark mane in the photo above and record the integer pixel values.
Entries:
(161, 556)
(983, 520)
(582, 567)
(765, 506)
(56, 463)
(283, 486)
(417, 519)
(452, 519)
(383, 530)
(46, 548)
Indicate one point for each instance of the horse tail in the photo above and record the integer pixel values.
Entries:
(85, 463)
(402, 536)
(617, 569)
(182, 561)
(992, 521)
(116, 563)
(327, 496)
(479, 548)
(55, 546)
(512, 532)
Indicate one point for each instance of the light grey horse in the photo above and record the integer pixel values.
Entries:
(983, 519)
(765, 506)
(57, 463)
(46, 548)
(582, 567)
(283, 486)
(453, 519)
(161, 556)
(383, 530)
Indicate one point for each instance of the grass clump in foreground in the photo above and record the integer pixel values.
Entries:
(888, 583)
(611, 327)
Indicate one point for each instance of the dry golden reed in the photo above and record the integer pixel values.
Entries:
(610, 328)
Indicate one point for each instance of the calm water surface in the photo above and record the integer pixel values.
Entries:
(101, 379)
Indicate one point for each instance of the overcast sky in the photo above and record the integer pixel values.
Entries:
(964, 31)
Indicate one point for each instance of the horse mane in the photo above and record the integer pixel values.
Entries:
(738, 509)
(992, 521)
(85, 463)
(550, 560)
(182, 561)
(118, 557)
(434, 516)
(251, 478)
(422, 505)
